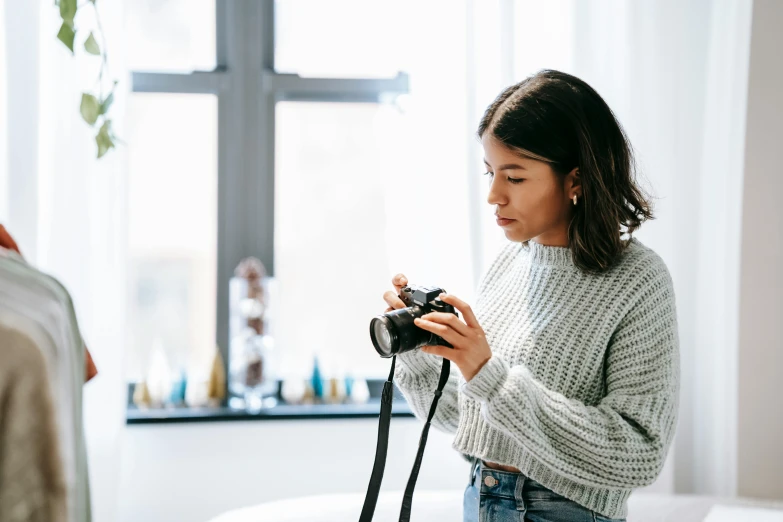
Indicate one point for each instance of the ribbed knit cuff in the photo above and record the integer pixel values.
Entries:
(487, 381)
(415, 366)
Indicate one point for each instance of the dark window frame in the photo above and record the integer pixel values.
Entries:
(247, 89)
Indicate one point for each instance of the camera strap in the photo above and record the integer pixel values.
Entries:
(371, 499)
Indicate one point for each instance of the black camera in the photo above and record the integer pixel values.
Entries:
(394, 332)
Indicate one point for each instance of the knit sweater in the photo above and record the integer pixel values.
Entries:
(582, 389)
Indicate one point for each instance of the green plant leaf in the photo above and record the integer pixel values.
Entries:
(103, 139)
(90, 108)
(66, 35)
(68, 11)
(91, 45)
(105, 104)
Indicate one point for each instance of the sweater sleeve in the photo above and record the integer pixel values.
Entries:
(417, 374)
(621, 442)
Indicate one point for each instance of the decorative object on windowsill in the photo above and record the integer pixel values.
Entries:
(293, 390)
(252, 365)
(348, 385)
(159, 376)
(178, 389)
(360, 392)
(336, 391)
(216, 390)
(316, 381)
(141, 395)
(94, 107)
(309, 395)
(196, 391)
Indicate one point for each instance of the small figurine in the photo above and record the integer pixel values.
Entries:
(216, 390)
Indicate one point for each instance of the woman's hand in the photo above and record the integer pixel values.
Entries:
(6, 241)
(471, 350)
(393, 298)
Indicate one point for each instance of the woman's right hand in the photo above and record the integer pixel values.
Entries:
(393, 298)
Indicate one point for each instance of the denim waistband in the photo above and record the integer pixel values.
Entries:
(502, 483)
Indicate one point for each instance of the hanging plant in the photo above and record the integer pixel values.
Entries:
(95, 105)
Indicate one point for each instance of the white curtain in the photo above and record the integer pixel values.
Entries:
(66, 208)
(675, 73)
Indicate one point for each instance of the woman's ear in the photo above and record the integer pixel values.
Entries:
(573, 181)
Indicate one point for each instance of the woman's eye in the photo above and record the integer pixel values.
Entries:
(515, 181)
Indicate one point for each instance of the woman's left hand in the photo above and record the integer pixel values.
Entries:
(471, 350)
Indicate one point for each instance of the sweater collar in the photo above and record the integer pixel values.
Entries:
(546, 255)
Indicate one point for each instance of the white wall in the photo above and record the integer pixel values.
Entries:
(191, 472)
(760, 414)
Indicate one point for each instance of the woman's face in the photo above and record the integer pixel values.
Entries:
(530, 193)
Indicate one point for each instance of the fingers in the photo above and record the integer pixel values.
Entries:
(441, 351)
(393, 300)
(399, 281)
(446, 332)
(6, 241)
(463, 307)
(448, 320)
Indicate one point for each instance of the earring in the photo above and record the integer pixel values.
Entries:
(574, 199)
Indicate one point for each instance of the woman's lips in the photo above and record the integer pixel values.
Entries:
(503, 221)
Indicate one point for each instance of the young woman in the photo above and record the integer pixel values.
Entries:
(568, 389)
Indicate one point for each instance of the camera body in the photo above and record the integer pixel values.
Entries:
(395, 332)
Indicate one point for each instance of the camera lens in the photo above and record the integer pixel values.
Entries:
(382, 337)
(394, 332)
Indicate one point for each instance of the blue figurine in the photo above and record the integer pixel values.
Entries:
(178, 389)
(348, 385)
(317, 383)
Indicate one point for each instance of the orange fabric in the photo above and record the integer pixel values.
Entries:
(6, 241)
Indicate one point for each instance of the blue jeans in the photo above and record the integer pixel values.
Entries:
(502, 496)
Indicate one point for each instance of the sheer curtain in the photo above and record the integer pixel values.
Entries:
(66, 208)
(675, 73)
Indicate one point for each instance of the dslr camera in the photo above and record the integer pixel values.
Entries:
(394, 332)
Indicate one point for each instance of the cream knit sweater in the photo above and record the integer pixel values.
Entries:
(582, 390)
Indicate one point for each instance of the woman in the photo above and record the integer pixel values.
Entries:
(567, 394)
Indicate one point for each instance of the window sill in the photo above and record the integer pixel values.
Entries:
(368, 410)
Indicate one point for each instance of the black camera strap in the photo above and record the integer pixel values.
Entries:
(383, 442)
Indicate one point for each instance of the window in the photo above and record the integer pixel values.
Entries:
(327, 139)
(172, 228)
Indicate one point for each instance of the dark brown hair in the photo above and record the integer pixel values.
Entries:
(558, 118)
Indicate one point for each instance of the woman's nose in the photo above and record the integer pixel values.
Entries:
(495, 195)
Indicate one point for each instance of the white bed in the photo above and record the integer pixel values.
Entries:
(446, 506)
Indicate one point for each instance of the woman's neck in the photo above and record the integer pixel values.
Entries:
(554, 238)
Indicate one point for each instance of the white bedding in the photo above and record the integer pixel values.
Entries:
(446, 506)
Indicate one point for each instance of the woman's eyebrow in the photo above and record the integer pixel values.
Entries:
(507, 166)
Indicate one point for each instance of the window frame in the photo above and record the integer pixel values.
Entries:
(247, 89)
